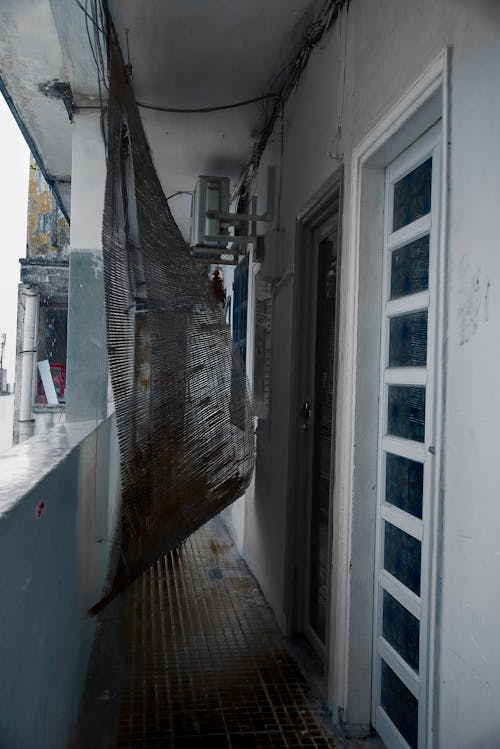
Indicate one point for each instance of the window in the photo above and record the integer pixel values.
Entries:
(52, 326)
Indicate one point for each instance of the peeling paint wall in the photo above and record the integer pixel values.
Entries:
(48, 230)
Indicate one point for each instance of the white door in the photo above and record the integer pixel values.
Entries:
(406, 445)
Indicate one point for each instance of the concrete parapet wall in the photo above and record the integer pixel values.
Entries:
(58, 508)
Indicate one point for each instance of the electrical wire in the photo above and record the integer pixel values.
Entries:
(97, 54)
(282, 152)
(88, 15)
(333, 150)
(201, 110)
(180, 192)
(98, 46)
(91, 45)
(314, 37)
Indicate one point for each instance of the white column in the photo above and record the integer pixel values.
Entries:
(87, 383)
(31, 300)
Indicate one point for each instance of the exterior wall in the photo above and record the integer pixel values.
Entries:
(48, 230)
(6, 421)
(469, 654)
(58, 509)
(234, 518)
(389, 45)
(87, 382)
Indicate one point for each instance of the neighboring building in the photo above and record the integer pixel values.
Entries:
(6, 402)
(6, 420)
(42, 313)
(372, 523)
(4, 386)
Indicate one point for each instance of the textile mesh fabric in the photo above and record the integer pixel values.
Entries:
(183, 410)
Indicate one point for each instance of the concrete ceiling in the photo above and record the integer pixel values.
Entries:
(184, 53)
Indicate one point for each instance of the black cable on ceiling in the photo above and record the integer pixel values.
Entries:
(198, 110)
(99, 62)
(313, 38)
(180, 192)
(201, 110)
(97, 54)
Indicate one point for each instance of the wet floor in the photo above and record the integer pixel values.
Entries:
(203, 661)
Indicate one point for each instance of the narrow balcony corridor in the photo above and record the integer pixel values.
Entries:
(200, 661)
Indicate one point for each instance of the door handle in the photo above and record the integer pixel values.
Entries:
(305, 411)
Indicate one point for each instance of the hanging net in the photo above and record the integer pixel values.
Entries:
(182, 407)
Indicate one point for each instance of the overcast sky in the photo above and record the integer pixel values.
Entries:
(14, 171)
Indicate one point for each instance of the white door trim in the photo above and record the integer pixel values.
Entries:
(424, 103)
(428, 145)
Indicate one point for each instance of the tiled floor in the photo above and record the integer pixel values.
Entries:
(205, 664)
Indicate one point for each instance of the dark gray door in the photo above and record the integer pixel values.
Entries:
(321, 427)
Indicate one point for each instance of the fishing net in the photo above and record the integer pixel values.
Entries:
(182, 406)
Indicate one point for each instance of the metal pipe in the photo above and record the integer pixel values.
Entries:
(3, 339)
(28, 352)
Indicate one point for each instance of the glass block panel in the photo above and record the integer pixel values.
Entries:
(408, 340)
(404, 482)
(400, 705)
(412, 196)
(402, 557)
(401, 630)
(406, 412)
(410, 268)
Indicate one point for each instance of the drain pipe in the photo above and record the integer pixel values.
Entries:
(28, 352)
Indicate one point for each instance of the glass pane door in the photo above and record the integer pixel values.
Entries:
(406, 445)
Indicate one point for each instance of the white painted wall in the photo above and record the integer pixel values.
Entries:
(87, 372)
(53, 565)
(234, 518)
(470, 620)
(389, 45)
(88, 169)
(6, 421)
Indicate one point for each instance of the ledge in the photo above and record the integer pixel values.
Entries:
(45, 408)
(23, 466)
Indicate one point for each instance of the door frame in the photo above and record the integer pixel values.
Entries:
(305, 464)
(425, 102)
(324, 207)
(428, 144)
